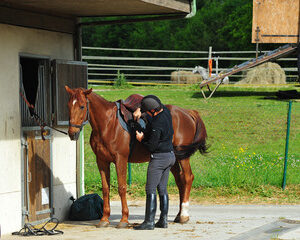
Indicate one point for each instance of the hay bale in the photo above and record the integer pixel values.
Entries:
(185, 77)
(267, 73)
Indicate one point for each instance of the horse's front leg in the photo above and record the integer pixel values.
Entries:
(121, 168)
(104, 169)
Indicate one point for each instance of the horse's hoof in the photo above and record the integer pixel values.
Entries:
(177, 219)
(181, 219)
(184, 219)
(123, 225)
(102, 224)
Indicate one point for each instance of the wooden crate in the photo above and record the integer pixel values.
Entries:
(278, 21)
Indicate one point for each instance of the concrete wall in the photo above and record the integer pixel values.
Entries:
(13, 41)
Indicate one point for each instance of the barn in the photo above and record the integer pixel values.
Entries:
(40, 53)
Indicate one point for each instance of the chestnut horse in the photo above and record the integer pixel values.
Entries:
(110, 143)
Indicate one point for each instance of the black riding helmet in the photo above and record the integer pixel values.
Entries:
(150, 102)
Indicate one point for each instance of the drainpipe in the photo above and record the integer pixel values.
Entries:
(193, 9)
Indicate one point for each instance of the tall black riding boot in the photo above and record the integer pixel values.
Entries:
(148, 223)
(164, 207)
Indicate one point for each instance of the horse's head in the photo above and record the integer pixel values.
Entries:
(78, 110)
(202, 71)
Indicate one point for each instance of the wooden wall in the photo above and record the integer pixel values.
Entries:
(278, 21)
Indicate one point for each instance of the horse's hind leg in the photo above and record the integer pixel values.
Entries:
(179, 182)
(188, 181)
(184, 180)
(104, 169)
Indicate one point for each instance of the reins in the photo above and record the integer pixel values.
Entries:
(38, 119)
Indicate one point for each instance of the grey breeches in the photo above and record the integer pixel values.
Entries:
(158, 172)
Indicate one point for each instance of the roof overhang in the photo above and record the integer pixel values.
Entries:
(63, 15)
(101, 8)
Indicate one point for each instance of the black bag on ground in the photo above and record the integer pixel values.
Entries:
(87, 207)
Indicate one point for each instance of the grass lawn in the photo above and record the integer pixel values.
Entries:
(246, 132)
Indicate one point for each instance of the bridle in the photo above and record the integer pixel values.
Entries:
(87, 118)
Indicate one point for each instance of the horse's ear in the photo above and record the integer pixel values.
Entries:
(87, 92)
(69, 90)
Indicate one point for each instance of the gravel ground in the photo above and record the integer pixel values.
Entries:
(218, 222)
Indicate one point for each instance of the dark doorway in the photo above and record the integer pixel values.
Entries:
(35, 88)
(30, 78)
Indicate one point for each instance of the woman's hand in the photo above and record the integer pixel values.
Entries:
(139, 136)
(137, 114)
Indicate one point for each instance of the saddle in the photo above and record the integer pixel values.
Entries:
(125, 116)
(125, 113)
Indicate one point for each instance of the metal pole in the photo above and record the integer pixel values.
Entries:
(80, 143)
(287, 145)
(129, 174)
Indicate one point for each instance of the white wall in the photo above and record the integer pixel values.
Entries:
(64, 174)
(13, 41)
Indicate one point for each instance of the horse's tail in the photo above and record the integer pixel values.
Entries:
(199, 142)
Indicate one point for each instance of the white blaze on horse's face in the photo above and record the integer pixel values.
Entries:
(74, 101)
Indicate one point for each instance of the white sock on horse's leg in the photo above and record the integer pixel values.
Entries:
(185, 209)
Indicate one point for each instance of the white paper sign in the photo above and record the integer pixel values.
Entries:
(45, 196)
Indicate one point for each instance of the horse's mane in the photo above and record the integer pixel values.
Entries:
(99, 97)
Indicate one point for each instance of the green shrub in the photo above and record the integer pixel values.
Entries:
(121, 81)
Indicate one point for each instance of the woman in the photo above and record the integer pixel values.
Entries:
(158, 140)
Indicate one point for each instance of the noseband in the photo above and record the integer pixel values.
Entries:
(87, 118)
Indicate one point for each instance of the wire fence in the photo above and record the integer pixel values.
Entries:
(159, 66)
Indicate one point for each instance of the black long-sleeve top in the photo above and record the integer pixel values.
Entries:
(159, 133)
